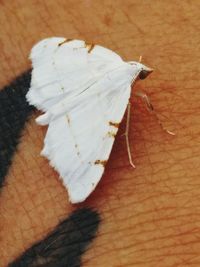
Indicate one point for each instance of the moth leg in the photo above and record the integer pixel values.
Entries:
(127, 134)
(150, 108)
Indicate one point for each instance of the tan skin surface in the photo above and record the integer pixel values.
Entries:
(151, 214)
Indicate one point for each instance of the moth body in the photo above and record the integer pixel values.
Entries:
(83, 90)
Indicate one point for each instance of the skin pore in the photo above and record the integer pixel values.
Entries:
(150, 214)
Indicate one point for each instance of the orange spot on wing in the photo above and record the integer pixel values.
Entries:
(101, 162)
(114, 124)
(89, 47)
(111, 134)
(65, 41)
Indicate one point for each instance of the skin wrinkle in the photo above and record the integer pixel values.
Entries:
(150, 214)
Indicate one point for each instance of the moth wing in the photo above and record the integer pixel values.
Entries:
(64, 67)
(80, 136)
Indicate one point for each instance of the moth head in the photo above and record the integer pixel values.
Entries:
(143, 70)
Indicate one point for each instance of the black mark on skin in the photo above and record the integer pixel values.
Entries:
(65, 245)
(14, 112)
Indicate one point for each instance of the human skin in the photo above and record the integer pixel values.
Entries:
(150, 215)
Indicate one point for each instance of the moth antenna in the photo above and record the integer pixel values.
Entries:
(140, 59)
(150, 108)
(127, 134)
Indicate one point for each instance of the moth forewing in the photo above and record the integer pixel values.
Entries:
(83, 90)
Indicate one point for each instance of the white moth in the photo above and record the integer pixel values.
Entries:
(83, 90)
